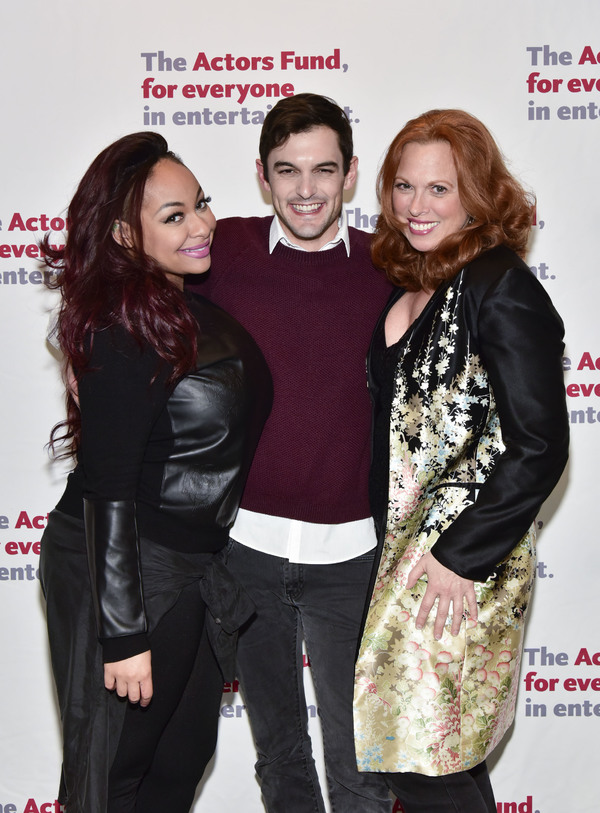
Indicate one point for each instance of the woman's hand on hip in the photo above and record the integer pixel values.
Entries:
(132, 678)
(448, 588)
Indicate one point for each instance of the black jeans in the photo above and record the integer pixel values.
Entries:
(322, 604)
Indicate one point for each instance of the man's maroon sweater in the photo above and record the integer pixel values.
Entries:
(312, 314)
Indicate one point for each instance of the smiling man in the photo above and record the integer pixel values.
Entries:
(307, 176)
(303, 284)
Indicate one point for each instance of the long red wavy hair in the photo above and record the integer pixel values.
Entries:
(500, 210)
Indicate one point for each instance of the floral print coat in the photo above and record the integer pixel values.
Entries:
(478, 437)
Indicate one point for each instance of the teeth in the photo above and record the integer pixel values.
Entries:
(306, 207)
(195, 248)
(423, 226)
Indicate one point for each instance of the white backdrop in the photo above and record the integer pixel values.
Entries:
(76, 75)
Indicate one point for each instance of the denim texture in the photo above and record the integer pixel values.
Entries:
(324, 605)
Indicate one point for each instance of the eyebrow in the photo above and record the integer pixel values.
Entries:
(429, 183)
(320, 165)
(174, 203)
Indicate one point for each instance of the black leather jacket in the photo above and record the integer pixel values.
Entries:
(167, 464)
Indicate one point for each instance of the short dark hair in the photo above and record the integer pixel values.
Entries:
(300, 113)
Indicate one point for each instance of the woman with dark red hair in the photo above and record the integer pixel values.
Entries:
(470, 437)
(171, 397)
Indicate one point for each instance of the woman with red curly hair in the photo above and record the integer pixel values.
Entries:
(470, 437)
(171, 397)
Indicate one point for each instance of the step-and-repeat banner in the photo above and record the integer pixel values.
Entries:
(76, 75)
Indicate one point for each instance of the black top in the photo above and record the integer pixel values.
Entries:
(383, 370)
(180, 452)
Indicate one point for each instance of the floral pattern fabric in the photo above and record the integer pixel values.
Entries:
(421, 705)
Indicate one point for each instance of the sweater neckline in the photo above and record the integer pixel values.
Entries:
(311, 258)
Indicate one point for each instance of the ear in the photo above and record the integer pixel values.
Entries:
(350, 178)
(121, 233)
(261, 175)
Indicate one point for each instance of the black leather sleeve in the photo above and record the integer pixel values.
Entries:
(519, 335)
(113, 554)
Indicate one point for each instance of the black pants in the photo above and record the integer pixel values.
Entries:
(463, 792)
(164, 748)
(118, 757)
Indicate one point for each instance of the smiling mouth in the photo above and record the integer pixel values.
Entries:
(306, 208)
(422, 228)
(199, 251)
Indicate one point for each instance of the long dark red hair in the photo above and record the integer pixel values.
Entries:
(500, 210)
(103, 282)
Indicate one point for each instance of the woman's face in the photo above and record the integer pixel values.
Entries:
(425, 198)
(177, 223)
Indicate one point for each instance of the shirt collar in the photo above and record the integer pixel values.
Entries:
(276, 235)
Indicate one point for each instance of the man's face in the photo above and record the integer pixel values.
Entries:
(307, 182)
